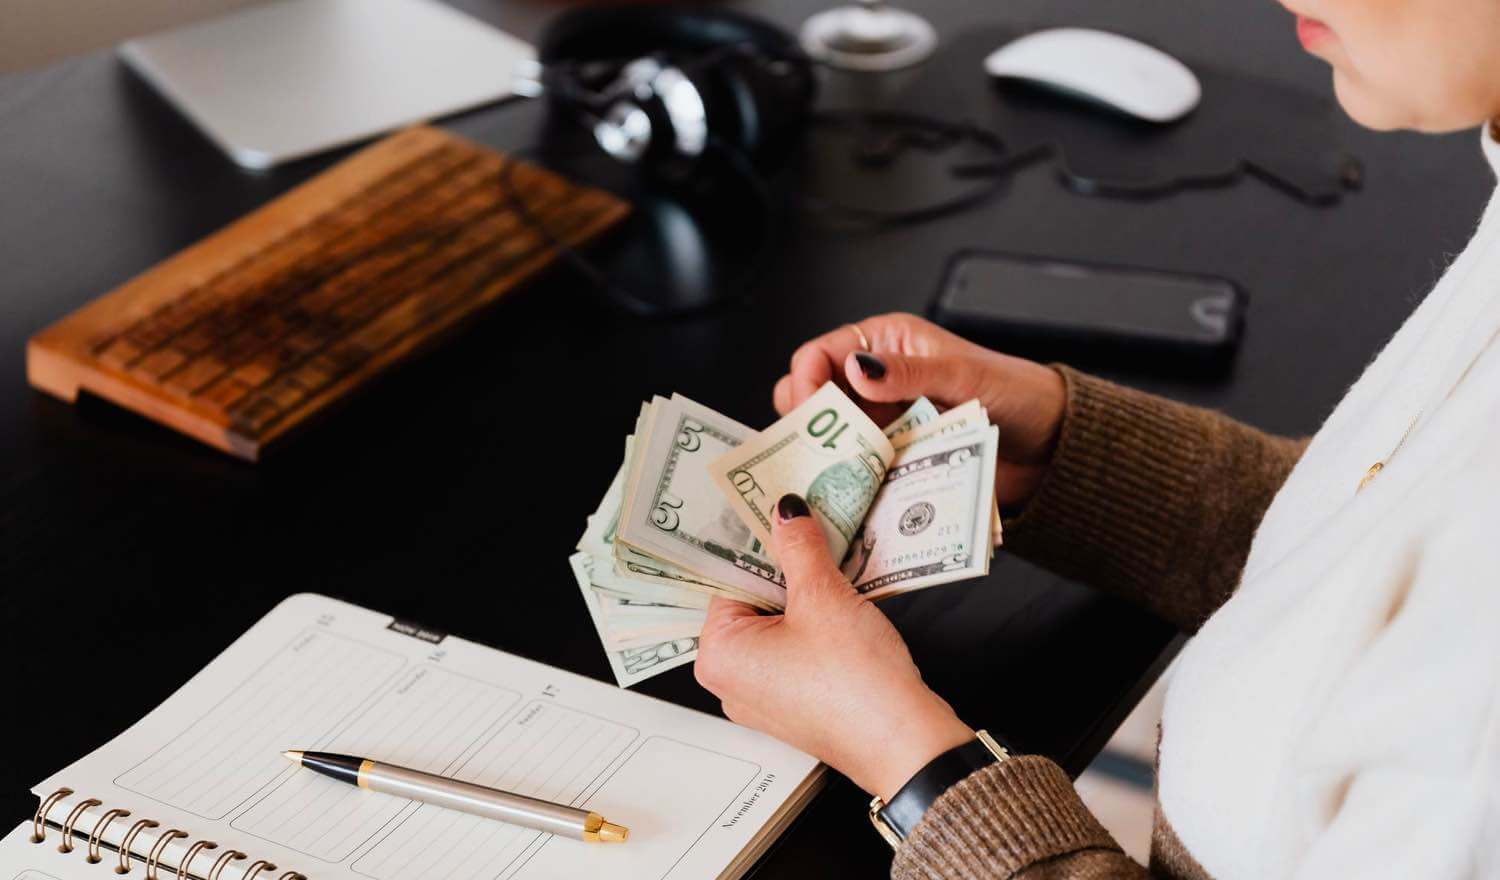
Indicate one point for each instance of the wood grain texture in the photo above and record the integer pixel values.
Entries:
(243, 337)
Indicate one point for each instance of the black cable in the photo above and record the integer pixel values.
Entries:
(741, 163)
(914, 130)
(565, 251)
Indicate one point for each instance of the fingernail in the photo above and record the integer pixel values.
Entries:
(791, 506)
(870, 365)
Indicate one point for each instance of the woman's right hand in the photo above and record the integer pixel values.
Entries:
(909, 358)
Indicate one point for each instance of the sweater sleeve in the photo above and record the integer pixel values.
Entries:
(1151, 499)
(1018, 819)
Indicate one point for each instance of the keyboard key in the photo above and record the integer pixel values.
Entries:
(344, 357)
(159, 363)
(255, 416)
(121, 353)
(195, 376)
(285, 394)
(148, 335)
(310, 377)
(223, 394)
(175, 316)
(259, 370)
(195, 341)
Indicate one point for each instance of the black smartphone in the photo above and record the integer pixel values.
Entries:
(1046, 307)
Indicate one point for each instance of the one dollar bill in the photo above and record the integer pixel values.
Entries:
(930, 524)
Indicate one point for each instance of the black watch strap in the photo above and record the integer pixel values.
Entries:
(896, 819)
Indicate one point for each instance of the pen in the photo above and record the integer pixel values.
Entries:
(517, 809)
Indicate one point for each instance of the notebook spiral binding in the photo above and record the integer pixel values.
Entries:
(40, 823)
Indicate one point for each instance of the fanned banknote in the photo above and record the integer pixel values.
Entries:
(672, 513)
(632, 660)
(826, 450)
(920, 413)
(931, 522)
(904, 507)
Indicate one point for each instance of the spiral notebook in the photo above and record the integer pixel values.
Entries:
(198, 788)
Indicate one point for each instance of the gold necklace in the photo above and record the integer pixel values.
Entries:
(1379, 466)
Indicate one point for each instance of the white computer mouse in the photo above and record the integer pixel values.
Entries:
(1118, 72)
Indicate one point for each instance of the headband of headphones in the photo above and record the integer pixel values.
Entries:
(595, 34)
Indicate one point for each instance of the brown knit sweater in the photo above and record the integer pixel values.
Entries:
(1154, 501)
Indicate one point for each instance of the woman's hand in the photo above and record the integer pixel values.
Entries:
(831, 676)
(910, 358)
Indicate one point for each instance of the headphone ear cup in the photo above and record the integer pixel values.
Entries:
(759, 102)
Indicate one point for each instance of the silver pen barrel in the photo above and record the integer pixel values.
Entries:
(507, 807)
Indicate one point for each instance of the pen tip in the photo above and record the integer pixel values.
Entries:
(609, 832)
(293, 755)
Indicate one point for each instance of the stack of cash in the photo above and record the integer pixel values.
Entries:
(688, 516)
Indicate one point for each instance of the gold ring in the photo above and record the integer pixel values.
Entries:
(864, 342)
(256, 867)
(192, 853)
(93, 857)
(226, 858)
(67, 829)
(292, 875)
(130, 841)
(39, 821)
(153, 859)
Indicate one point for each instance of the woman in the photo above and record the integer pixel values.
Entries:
(1335, 714)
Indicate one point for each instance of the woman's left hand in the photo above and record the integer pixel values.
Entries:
(830, 676)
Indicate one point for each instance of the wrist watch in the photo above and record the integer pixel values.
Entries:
(895, 820)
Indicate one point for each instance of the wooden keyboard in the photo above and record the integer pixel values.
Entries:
(246, 335)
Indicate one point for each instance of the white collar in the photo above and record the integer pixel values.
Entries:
(1487, 140)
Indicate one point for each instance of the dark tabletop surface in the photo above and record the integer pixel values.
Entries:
(130, 556)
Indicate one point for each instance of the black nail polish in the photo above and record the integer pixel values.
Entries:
(791, 506)
(870, 365)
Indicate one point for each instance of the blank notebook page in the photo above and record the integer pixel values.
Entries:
(323, 675)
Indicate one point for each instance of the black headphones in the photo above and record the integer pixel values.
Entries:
(686, 94)
(662, 86)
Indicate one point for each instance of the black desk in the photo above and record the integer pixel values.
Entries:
(129, 556)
